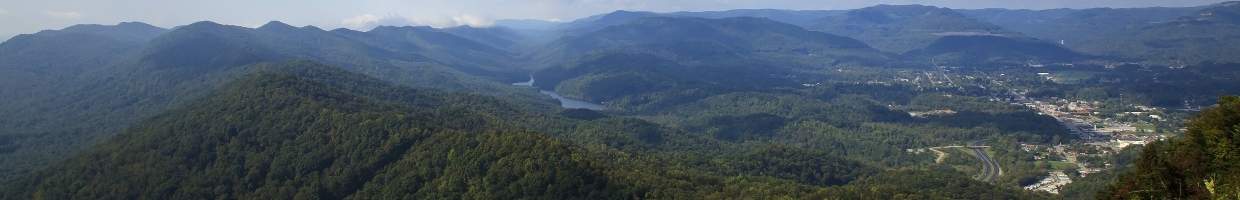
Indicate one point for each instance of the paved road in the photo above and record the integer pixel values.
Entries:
(990, 168)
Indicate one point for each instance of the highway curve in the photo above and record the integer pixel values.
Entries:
(990, 168)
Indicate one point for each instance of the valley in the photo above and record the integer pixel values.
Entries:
(880, 102)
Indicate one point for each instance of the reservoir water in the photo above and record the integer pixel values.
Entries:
(572, 103)
(527, 83)
(565, 102)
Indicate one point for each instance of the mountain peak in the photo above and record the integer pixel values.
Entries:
(900, 12)
(901, 28)
(380, 29)
(130, 31)
(201, 24)
(902, 6)
(345, 30)
(597, 22)
(132, 26)
(209, 26)
(1228, 4)
(313, 28)
(627, 14)
(205, 23)
(617, 16)
(137, 25)
(276, 25)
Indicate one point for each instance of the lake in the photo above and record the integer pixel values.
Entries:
(565, 102)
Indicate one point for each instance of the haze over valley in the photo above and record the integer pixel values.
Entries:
(854, 100)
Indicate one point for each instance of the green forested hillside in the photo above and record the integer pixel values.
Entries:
(1087, 30)
(117, 75)
(901, 28)
(500, 37)
(1208, 35)
(306, 131)
(803, 18)
(741, 104)
(273, 135)
(1199, 165)
(672, 60)
(1197, 85)
(993, 50)
(597, 22)
(1171, 36)
(36, 62)
(714, 40)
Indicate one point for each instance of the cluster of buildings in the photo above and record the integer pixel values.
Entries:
(1082, 119)
(1051, 183)
(1104, 129)
(1100, 136)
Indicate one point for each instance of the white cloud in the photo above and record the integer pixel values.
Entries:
(457, 20)
(63, 14)
(360, 21)
(368, 21)
(3, 11)
(472, 20)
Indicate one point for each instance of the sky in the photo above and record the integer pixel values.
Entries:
(29, 16)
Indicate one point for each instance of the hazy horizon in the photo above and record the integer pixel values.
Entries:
(31, 17)
(620, 99)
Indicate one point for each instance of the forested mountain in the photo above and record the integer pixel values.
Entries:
(684, 38)
(1085, 30)
(1133, 34)
(1208, 35)
(901, 28)
(391, 52)
(596, 22)
(499, 37)
(883, 102)
(302, 130)
(321, 133)
(59, 104)
(994, 50)
(666, 54)
(45, 76)
(803, 18)
(1176, 36)
(34, 60)
(440, 47)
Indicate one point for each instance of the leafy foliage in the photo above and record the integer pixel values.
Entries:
(73, 87)
(280, 136)
(721, 107)
(933, 184)
(302, 130)
(1199, 165)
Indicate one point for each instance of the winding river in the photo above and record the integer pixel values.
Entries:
(565, 102)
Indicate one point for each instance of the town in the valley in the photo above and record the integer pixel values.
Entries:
(1102, 128)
